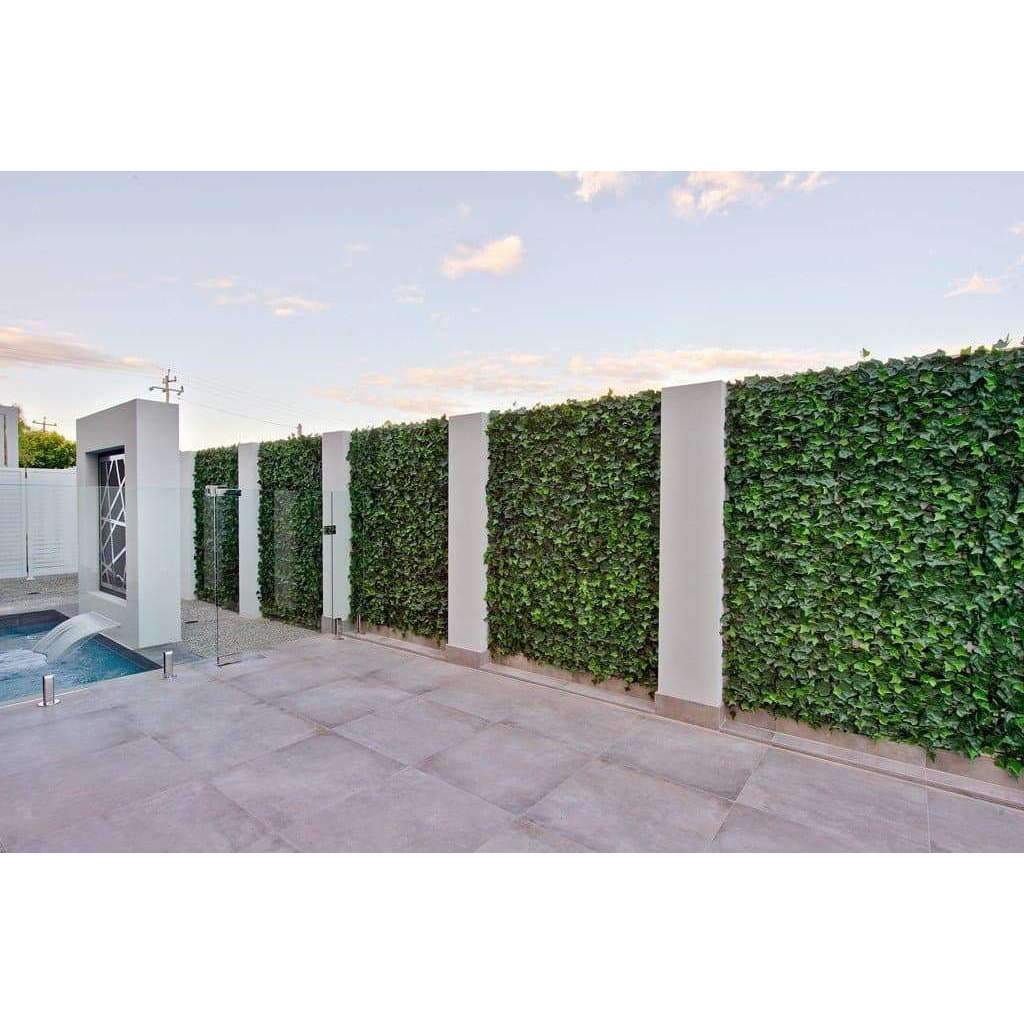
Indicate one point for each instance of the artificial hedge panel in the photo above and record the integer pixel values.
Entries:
(291, 530)
(874, 565)
(572, 502)
(399, 494)
(216, 466)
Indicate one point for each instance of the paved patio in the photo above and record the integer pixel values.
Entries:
(336, 744)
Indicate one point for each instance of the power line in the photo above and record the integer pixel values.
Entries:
(233, 391)
(242, 415)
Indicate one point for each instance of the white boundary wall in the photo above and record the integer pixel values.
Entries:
(691, 543)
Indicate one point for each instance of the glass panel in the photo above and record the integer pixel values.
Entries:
(113, 525)
(220, 557)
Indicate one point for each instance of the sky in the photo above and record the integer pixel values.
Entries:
(346, 300)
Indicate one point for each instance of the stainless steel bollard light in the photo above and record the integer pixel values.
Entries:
(168, 664)
(49, 699)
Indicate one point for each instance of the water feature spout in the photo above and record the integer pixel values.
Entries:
(70, 633)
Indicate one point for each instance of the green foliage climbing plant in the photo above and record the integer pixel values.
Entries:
(399, 494)
(216, 466)
(291, 530)
(572, 503)
(874, 565)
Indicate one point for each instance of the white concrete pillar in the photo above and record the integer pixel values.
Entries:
(467, 538)
(337, 514)
(148, 607)
(692, 549)
(188, 526)
(9, 436)
(248, 530)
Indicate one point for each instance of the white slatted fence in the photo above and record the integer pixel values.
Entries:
(38, 522)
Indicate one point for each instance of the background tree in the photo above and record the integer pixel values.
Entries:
(44, 449)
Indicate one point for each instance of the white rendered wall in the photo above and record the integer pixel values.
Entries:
(188, 526)
(248, 530)
(692, 548)
(467, 536)
(9, 436)
(337, 549)
(150, 613)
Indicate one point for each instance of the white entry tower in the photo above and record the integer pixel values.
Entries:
(129, 520)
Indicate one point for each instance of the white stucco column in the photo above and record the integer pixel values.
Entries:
(337, 514)
(692, 547)
(248, 530)
(467, 538)
(188, 527)
(9, 436)
(143, 590)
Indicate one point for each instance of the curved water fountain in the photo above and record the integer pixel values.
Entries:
(53, 646)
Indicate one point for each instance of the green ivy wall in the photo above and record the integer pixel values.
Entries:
(874, 566)
(216, 466)
(399, 495)
(291, 530)
(572, 504)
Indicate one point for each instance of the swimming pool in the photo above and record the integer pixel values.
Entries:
(95, 659)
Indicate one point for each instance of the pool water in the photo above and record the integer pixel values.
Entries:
(91, 661)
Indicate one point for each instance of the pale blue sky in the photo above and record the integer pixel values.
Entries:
(348, 299)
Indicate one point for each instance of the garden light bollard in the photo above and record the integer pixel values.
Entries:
(168, 664)
(49, 699)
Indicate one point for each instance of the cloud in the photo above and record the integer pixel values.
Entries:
(352, 250)
(291, 305)
(500, 257)
(975, 285)
(655, 368)
(1018, 228)
(409, 294)
(709, 192)
(793, 182)
(594, 183)
(502, 374)
(27, 348)
(236, 298)
(684, 202)
(706, 193)
(524, 378)
(282, 306)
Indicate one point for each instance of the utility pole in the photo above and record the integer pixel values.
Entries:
(44, 423)
(165, 386)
